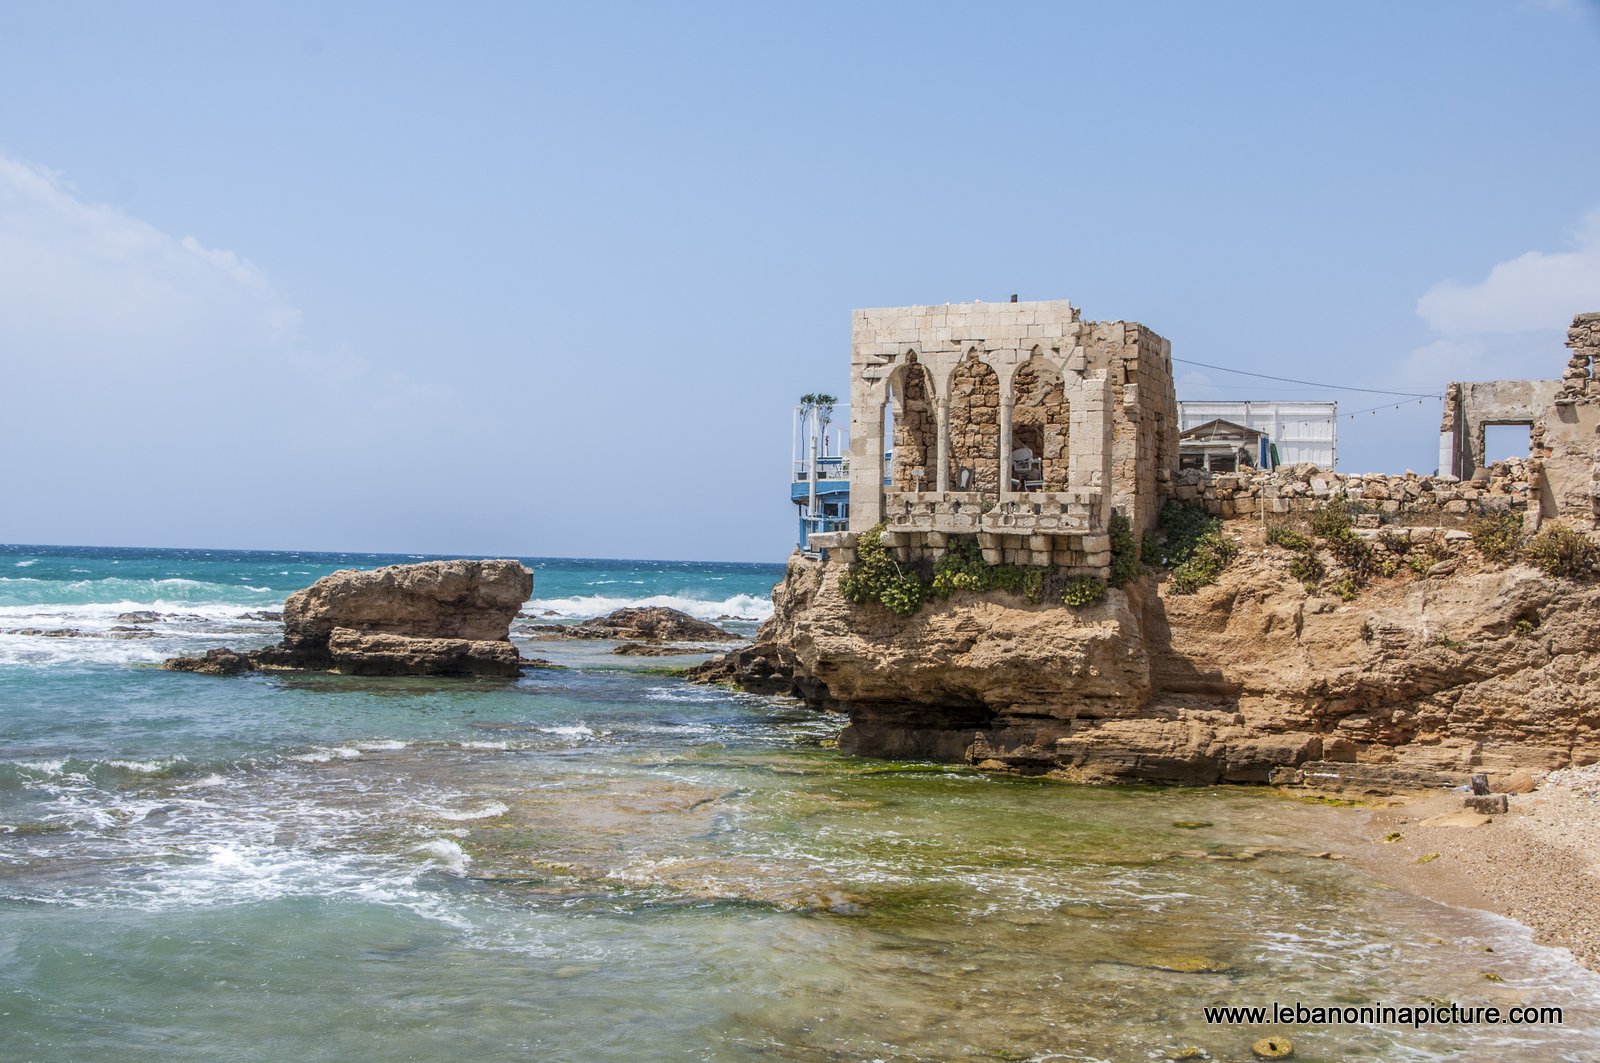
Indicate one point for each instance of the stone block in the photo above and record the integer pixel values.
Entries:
(1487, 804)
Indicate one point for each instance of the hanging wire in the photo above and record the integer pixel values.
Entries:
(1310, 383)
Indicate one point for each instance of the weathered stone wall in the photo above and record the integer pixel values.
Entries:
(1041, 420)
(1144, 443)
(1568, 438)
(975, 425)
(1441, 501)
(916, 431)
(1471, 407)
(1093, 399)
(1582, 378)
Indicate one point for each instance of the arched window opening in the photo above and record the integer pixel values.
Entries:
(1040, 430)
(974, 427)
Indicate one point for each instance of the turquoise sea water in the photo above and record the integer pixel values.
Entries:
(602, 862)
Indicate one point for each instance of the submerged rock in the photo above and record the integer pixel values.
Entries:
(654, 623)
(433, 618)
(213, 662)
(640, 649)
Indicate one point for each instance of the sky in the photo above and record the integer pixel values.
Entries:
(546, 280)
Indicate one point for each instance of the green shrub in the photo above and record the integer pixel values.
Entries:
(1347, 587)
(1126, 565)
(1195, 548)
(1308, 568)
(1421, 563)
(1560, 551)
(1335, 525)
(1288, 538)
(1498, 536)
(1333, 521)
(962, 568)
(876, 576)
(1204, 565)
(1394, 542)
(1083, 590)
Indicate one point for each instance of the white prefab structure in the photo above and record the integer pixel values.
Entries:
(1301, 431)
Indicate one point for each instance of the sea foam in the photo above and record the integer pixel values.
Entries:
(585, 607)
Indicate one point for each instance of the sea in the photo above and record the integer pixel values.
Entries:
(602, 861)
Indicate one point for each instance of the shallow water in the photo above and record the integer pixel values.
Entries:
(603, 863)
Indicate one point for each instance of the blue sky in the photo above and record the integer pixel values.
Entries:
(546, 280)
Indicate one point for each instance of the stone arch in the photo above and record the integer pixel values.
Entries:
(1040, 422)
(975, 425)
(915, 433)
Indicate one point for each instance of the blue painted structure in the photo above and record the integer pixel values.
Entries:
(819, 485)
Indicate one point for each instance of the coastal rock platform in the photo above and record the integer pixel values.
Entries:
(1421, 681)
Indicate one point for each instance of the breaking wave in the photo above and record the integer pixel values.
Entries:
(584, 607)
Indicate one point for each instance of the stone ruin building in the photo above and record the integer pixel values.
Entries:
(1563, 419)
(1028, 427)
(1016, 422)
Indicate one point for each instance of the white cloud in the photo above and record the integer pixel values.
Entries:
(154, 389)
(1535, 290)
(83, 278)
(1510, 324)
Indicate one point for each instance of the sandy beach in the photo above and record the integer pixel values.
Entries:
(1539, 863)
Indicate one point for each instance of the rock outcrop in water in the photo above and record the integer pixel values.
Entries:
(433, 618)
(650, 624)
(1419, 681)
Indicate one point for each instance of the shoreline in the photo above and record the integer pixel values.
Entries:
(1537, 864)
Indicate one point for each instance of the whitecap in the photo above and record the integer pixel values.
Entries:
(323, 755)
(448, 853)
(579, 730)
(584, 607)
(487, 810)
(30, 561)
(146, 767)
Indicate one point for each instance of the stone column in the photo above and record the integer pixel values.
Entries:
(866, 457)
(942, 473)
(1005, 445)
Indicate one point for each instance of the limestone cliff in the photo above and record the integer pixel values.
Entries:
(1474, 667)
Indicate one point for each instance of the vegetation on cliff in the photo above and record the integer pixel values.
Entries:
(1189, 542)
(877, 576)
(1330, 536)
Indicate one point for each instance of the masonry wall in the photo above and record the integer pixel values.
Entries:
(1092, 399)
(1568, 438)
(1422, 501)
(1471, 407)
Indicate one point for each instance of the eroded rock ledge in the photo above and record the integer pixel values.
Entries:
(1420, 681)
(433, 618)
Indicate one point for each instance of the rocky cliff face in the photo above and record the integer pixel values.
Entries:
(1419, 680)
(434, 618)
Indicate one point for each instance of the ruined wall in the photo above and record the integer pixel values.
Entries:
(1568, 438)
(1004, 375)
(1144, 431)
(975, 425)
(1471, 407)
(916, 431)
(1040, 420)
(1437, 501)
